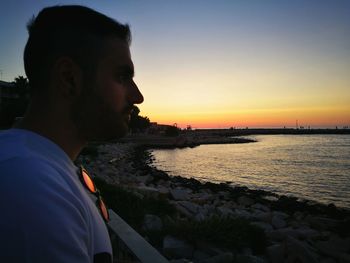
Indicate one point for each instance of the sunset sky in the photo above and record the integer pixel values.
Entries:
(217, 64)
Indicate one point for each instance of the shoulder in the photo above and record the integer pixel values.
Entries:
(40, 209)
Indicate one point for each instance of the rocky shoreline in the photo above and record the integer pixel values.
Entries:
(296, 231)
(181, 141)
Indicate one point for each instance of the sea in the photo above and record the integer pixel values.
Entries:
(311, 167)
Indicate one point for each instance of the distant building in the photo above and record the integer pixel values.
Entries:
(156, 128)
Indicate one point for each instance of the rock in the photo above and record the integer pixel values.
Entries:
(276, 253)
(298, 215)
(283, 233)
(261, 207)
(308, 233)
(278, 222)
(176, 248)
(280, 214)
(245, 201)
(150, 191)
(327, 260)
(262, 216)
(182, 210)
(152, 223)
(321, 223)
(163, 190)
(179, 194)
(200, 255)
(224, 195)
(298, 251)
(343, 244)
(200, 217)
(248, 259)
(191, 207)
(242, 213)
(217, 202)
(225, 211)
(202, 198)
(182, 260)
(335, 248)
(247, 251)
(221, 258)
(265, 226)
(145, 179)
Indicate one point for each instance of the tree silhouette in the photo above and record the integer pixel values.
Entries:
(138, 123)
(16, 103)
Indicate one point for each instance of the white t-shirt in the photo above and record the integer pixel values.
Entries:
(46, 213)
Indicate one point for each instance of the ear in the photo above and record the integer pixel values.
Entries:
(67, 76)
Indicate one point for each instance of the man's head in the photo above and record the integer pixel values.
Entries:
(82, 56)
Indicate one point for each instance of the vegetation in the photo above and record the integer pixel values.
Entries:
(172, 131)
(16, 105)
(137, 122)
(131, 206)
(230, 233)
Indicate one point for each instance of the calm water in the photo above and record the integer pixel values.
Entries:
(315, 167)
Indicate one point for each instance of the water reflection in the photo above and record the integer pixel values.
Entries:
(308, 166)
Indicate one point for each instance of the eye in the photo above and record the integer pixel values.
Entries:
(124, 78)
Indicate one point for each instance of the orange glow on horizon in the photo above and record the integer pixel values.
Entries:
(319, 117)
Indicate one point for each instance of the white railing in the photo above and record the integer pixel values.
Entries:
(131, 246)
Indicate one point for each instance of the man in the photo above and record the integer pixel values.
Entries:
(81, 76)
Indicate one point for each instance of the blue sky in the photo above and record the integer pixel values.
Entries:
(239, 62)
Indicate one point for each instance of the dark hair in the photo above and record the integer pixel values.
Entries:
(74, 31)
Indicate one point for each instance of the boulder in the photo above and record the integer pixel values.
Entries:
(328, 260)
(182, 210)
(278, 222)
(265, 226)
(248, 259)
(182, 260)
(179, 194)
(336, 248)
(225, 211)
(242, 213)
(280, 214)
(200, 217)
(308, 233)
(261, 207)
(245, 201)
(191, 207)
(176, 248)
(262, 216)
(221, 258)
(276, 253)
(321, 223)
(199, 255)
(282, 233)
(298, 251)
(152, 223)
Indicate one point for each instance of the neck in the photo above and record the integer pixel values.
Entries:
(53, 126)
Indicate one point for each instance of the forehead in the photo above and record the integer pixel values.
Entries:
(116, 54)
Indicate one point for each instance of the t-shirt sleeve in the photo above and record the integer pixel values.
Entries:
(41, 219)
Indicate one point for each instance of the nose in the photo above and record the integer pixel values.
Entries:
(136, 95)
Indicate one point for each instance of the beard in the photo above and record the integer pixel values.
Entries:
(96, 120)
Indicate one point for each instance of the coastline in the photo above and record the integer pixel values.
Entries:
(299, 230)
(181, 141)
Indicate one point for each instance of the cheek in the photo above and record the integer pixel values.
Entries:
(115, 97)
